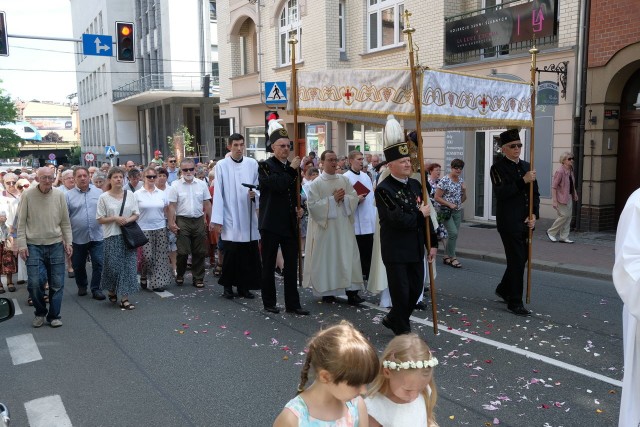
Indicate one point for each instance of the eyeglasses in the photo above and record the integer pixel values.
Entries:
(23, 186)
(457, 167)
(172, 161)
(188, 169)
(150, 176)
(10, 183)
(512, 146)
(569, 158)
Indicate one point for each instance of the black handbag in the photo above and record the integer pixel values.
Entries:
(131, 232)
(444, 213)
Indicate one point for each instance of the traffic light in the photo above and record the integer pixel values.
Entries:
(4, 42)
(206, 86)
(124, 42)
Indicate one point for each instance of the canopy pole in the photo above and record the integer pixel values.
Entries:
(296, 150)
(534, 54)
(408, 30)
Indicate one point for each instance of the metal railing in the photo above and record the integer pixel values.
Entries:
(151, 82)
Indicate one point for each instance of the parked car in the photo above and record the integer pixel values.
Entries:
(7, 310)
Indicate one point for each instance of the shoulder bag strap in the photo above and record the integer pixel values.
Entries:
(124, 199)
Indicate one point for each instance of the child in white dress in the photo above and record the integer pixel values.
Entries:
(344, 362)
(404, 393)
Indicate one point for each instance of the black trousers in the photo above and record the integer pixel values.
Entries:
(405, 285)
(289, 247)
(515, 249)
(365, 247)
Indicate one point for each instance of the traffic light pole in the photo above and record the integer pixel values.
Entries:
(56, 39)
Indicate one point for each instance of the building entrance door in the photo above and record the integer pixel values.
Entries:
(627, 172)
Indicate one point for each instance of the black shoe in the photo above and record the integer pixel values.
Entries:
(387, 324)
(71, 274)
(357, 298)
(519, 310)
(298, 311)
(272, 309)
(504, 298)
(228, 292)
(98, 295)
(162, 289)
(329, 300)
(354, 300)
(247, 295)
(82, 292)
(279, 272)
(421, 306)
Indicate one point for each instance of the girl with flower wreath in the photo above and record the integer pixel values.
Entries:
(404, 392)
(343, 362)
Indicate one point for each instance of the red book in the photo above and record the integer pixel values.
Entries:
(361, 189)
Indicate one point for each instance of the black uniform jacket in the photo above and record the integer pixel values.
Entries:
(512, 195)
(278, 199)
(402, 225)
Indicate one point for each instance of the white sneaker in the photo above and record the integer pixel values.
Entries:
(553, 239)
(56, 323)
(38, 321)
(566, 241)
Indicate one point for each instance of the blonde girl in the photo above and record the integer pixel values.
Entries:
(404, 392)
(343, 362)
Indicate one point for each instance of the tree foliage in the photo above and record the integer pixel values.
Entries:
(8, 139)
(74, 156)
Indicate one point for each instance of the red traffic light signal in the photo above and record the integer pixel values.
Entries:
(125, 42)
(4, 42)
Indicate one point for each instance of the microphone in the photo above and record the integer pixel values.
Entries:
(251, 186)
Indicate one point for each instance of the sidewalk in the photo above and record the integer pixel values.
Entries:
(592, 254)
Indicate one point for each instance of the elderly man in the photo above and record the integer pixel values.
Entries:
(277, 221)
(189, 199)
(402, 216)
(44, 236)
(172, 170)
(92, 170)
(67, 181)
(82, 202)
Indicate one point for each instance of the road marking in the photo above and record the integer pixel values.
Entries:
(23, 349)
(17, 306)
(502, 346)
(46, 412)
(165, 294)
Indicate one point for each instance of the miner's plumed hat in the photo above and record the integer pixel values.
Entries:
(395, 146)
(276, 131)
(509, 136)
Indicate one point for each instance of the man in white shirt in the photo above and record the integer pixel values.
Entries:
(365, 217)
(235, 217)
(189, 199)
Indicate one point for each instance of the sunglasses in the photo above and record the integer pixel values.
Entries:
(512, 146)
(10, 183)
(457, 167)
(150, 176)
(23, 186)
(188, 169)
(172, 161)
(569, 158)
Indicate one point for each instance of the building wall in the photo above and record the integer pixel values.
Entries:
(613, 25)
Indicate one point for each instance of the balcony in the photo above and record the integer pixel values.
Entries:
(154, 87)
(246, 85)
(541, 23)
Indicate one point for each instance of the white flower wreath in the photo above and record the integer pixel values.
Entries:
(420, 364)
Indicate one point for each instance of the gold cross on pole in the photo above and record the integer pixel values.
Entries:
(406, 14)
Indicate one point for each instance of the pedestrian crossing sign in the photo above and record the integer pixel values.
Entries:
(110, 150)
(276, 93)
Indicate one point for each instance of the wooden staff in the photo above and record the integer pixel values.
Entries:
(534, 53)
(296, 149)
(408, 30)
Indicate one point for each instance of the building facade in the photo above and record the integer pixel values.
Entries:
(137, 106)
(340, 34)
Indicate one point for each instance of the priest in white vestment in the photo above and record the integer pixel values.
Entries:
(626, 278)
(332, 261)
(234, 215)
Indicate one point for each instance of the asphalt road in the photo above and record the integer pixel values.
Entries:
(195, 359)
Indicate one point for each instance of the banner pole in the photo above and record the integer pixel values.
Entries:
(408, 30)
(534, 54)
(296, 150)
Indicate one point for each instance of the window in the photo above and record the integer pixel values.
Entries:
(385, 23)
(496, 51)
(213, 15)
(364, 138)
(342, 34)
(255, 142)
(290, 26)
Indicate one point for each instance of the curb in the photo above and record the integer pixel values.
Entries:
(555, 267)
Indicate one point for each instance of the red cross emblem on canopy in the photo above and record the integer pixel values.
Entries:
(348, 95)
(483, 104)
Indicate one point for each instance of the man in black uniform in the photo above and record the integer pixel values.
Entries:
(511, 179)
(402, 216)
(277, 221)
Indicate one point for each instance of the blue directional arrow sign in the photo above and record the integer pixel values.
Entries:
(97, 45)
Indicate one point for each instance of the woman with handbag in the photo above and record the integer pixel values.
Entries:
(115, 209)
(563, 196)
(155, 269)
(451, 194)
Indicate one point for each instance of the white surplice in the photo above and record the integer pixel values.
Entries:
(231, 202)
(365, 216)
(332, 260)
(626, 278)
